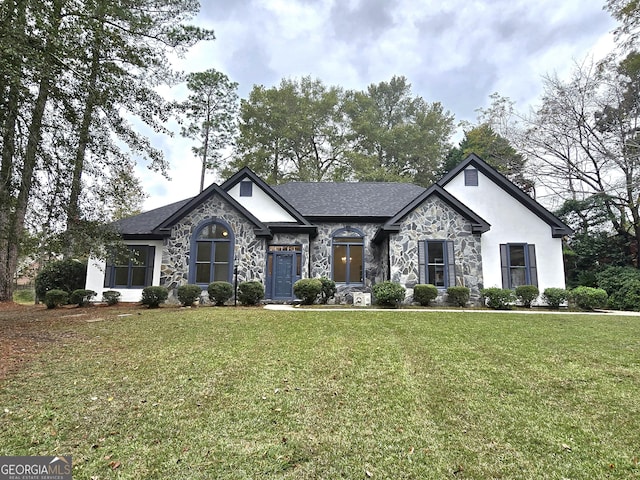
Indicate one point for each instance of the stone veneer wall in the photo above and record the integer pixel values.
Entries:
(435, 220)
(374, 257)
(249, 250)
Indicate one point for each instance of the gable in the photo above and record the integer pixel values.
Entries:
(491, 193)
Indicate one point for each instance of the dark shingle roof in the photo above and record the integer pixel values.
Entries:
(354, 199)
(144, 223)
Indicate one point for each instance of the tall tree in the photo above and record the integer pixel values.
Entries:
(211, 111)
(496, 150)
(74, 72)
(295, 131)
(397, 137)
(584, 138)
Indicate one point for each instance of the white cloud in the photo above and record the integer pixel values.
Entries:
(456, 52)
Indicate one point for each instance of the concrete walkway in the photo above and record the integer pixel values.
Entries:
(291, 308)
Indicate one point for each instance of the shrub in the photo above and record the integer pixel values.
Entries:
(527, 294)
(627, 298)
(66, 275)
(24, 296)
(307, 290)
(250, 293)
(555, 296)
(81, 297)
(498, 298)
(588, 298)
(54, 298)
(188, 294)
(329, 290)
(458, 296)
(388, 293)
(154, 296)
(612, 279)
(220, 292)
(424, 294)
(111, 297)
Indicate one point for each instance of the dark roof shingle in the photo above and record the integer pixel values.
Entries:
(351, 199)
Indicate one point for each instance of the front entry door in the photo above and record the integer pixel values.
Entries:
(283, 275)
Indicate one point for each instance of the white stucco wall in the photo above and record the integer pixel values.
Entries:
(96, 267)
(261, 205)
(511, 222)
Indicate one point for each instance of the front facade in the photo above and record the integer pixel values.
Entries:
(474, 228)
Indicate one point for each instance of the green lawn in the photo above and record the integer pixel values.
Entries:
(248, 393)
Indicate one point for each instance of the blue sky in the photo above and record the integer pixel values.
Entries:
(456, 52)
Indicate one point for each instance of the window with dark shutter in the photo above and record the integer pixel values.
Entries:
(518, 265)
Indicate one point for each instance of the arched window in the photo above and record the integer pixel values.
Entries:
(348, 256)
(211, 254)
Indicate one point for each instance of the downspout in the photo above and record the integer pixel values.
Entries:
(388, 258)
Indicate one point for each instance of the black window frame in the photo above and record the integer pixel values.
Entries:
(246, 188)
(449, 262)
(133, 263)
(530, 264)
(212, 243)
(471, 177)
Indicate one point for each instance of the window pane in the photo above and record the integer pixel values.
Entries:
(518, 277)
(222, 252)
(340, 263)
(214, 231)
(221, 273)
(355, 266)
(139, 256)
(121, 276)
(138, 276)
(516, 255)
(203, 252)
(436, 252)
(203, 272)
(436, 275)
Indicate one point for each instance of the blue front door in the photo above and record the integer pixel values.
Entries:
(283, 275)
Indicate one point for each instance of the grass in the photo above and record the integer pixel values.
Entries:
(247, 393)
(24, 296)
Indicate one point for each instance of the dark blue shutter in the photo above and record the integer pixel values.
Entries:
(533, 269)
(422, 264)
(451, 265)
(151, 256)
(504, 263)
(108, 273)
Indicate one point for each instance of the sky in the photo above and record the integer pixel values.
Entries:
(456, 52)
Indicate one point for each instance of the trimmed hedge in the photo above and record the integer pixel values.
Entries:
(111, 297)
(154, 296)
(56, 297)
(588, 298)
(458, 296)
(251, 292)
(220, 292)
(388, 294)
(424, 294)
(498, 298)
(81, 297)
(555, 296)
(622, 284)
(307, 290)
(527, 294)
(188, 294)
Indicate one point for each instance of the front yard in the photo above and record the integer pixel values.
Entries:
(248, 393)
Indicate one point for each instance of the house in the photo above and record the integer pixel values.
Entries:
(473, 228)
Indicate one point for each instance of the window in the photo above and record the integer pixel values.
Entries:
(131, 269)
(471, 177)
(348, 256)
(518, 262)
(211, 255)
(246, 189)
(436, 263)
